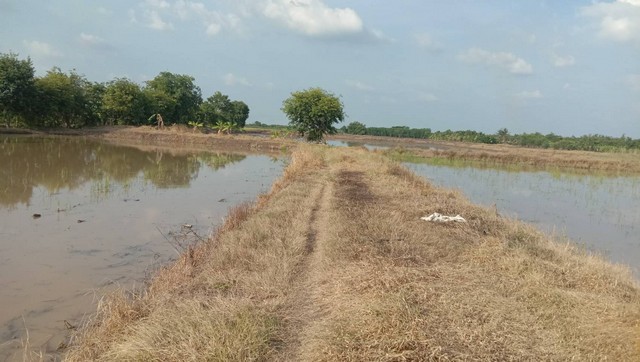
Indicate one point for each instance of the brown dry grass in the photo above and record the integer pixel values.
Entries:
(336, 265)
(525, 158)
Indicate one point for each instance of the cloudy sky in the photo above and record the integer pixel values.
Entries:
(569, 67)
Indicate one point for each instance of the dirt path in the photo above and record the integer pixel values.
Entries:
(304, 307)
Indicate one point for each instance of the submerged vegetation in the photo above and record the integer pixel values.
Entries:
(335, 264)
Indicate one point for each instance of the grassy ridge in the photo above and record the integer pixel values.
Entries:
(334, 264)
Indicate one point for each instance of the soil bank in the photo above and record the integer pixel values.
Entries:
(335, 264)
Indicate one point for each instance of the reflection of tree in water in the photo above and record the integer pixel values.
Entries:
(57, 163)
(216, 161)
(170, 171)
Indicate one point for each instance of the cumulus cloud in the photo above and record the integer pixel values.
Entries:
(314, 17)
(563, 61)
(90, 40)
(618, 21)
(536, 94)
(156, 11)
(503, 60)
(359, 85)
(42, 49)
(425, 41)
(232, 80)
(155, 21)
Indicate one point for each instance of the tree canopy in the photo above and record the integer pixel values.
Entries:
(313, 112)
(68, 99)
(17, 86)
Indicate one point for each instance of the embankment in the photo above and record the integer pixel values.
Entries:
(505, 155)
(334, 264)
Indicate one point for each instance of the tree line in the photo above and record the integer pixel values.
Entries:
(68, 99)
(598, 143)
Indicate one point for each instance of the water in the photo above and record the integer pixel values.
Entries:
(601, 213)
(79, 217)
(368, 146)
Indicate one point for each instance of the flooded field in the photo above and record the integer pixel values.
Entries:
(600, 212)
(78, 217)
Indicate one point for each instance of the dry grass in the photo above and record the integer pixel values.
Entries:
(336, 265)
(527, 158)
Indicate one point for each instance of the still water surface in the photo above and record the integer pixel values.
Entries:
(600, 212)
(79, 216)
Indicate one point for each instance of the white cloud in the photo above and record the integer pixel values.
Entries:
(88, 39)
(104, 11)
(232, 80)
(425, 41)
(359, 85)
(314, 17)
(618, 21)
(427, 97)
(507, 61)
(563, 61)
(213, 22)
(154, 21)
(38, 48)
(536, 94)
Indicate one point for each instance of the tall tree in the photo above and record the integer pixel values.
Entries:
(312, 112)
(17, 87)
(62, 98)
(239, 113)
(215, 109)
(174, 96)
(124, 102)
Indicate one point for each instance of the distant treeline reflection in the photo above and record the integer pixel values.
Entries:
(57, 163)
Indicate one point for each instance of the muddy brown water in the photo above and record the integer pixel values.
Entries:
(599, 212)
(80, 217)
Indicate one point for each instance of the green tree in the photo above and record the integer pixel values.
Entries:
(174, 96)
(62, 99)
(503, 135)
(93, 95)
(312, 112)
(239, 113)
(356, 128)
(17, 87)
(215, 109)
(124, 102)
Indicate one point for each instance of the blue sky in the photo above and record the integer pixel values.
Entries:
(568, 67)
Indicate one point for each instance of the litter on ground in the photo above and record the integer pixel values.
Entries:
(435, 217)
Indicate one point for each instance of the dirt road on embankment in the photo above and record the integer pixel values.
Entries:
(335, 264)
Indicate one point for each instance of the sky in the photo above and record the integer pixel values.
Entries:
(569, 67)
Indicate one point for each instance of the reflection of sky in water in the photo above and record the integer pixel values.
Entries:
(108, 213)
(368, 146)
(603, 213)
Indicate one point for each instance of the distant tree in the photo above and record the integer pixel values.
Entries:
(62, 99)
(174, 96)
(503, 135)
(313, 112)
(93, 94)
(215, 109)
(239, 113)
(219, 108)
(124, 102)
(356, 128)
(17, 87)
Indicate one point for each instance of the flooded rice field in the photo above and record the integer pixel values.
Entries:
(80, 217)
(602, 213)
